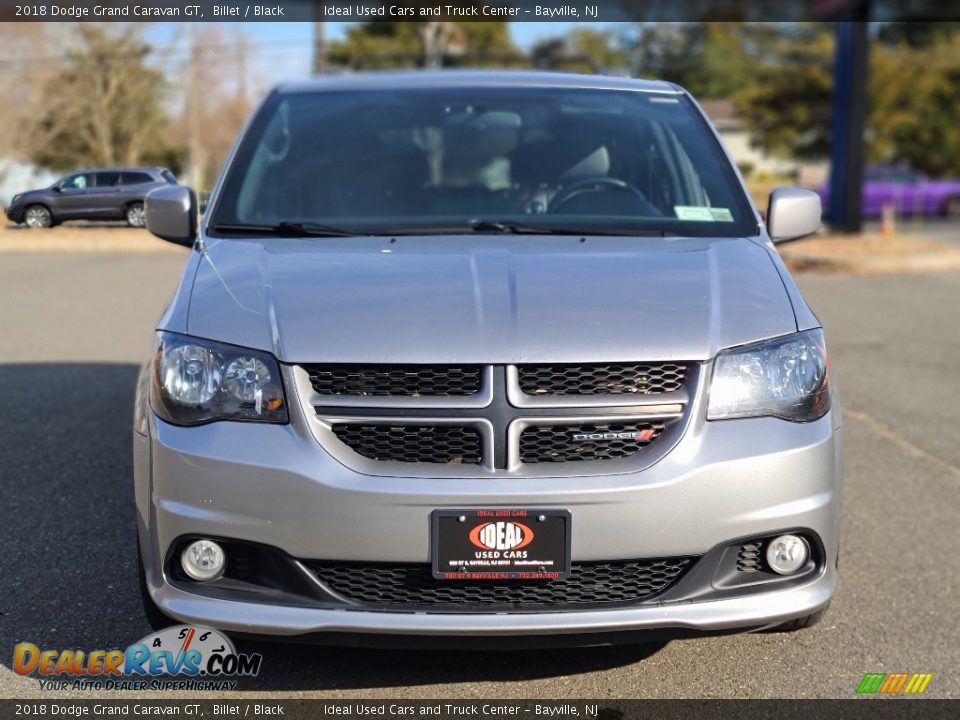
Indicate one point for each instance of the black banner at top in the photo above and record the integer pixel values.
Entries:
(474, 10)
(437, 709)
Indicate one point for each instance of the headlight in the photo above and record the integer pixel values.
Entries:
(198, 381)
(784, 378)
(14, 199)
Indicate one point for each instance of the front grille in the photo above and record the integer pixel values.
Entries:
(614, 379)
(750, 557)
(395, 380)
(492, 418)
(412, 443)
(560, 443)
(412, 586)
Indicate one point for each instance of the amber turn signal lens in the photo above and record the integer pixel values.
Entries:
(272, 397)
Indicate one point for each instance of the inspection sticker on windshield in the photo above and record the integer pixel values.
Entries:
(703, 214)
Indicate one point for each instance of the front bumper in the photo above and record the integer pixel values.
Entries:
(754, 612)
(15, 213)
(276, 486)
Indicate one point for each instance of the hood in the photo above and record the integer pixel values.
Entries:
(31, 194)
(488, 298)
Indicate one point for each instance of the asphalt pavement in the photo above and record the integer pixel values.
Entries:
(75, 326)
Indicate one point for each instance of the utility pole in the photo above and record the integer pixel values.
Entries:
(848, 117)
(194, 145)
(319, 39)
(241, 67)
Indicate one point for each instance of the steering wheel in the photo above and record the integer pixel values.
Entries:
(601, 183)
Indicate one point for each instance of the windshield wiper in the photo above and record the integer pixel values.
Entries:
(287, 229)
(309, 229)
(509, 226)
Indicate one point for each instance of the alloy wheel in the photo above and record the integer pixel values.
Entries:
(136, 216)
(37, 217)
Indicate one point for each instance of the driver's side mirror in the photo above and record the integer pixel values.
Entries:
(57, 188)
(171, 214)
(793, 213)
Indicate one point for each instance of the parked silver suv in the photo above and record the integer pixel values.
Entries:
(477, 356)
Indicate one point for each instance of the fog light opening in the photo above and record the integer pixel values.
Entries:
(786, 554)
(203, 560)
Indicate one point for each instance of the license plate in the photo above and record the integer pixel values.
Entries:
(501, 544)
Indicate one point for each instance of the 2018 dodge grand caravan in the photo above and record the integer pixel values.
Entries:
(483, 356)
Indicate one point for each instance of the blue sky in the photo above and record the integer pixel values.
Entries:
(281, 51)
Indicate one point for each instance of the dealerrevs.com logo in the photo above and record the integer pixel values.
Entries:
(195, 657)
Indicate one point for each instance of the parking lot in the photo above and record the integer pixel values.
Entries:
(76, 325)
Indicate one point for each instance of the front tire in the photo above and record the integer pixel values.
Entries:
(135, 215)
(37, 216)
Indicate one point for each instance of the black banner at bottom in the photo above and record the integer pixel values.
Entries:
(257, 709)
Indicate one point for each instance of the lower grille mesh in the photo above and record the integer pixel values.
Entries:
(568, 443)
(454, 444)
(413, 585)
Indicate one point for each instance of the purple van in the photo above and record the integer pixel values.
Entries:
(909, 192)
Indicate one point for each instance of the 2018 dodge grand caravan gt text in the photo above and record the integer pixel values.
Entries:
(479, 356)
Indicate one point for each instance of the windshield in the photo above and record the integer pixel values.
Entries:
(482, 159)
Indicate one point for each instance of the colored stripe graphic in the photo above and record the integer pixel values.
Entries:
(894, 683)
(871, 682)
(918, 683)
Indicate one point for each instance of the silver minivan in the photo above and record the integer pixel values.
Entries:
(472, 357)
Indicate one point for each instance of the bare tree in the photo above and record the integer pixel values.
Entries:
(215, 102)
(319, 39)
(27, 65)
(435, 38)
(103, 105)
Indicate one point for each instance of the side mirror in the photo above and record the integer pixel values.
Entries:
(171, 213)
(793, 213)
(57, 188)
